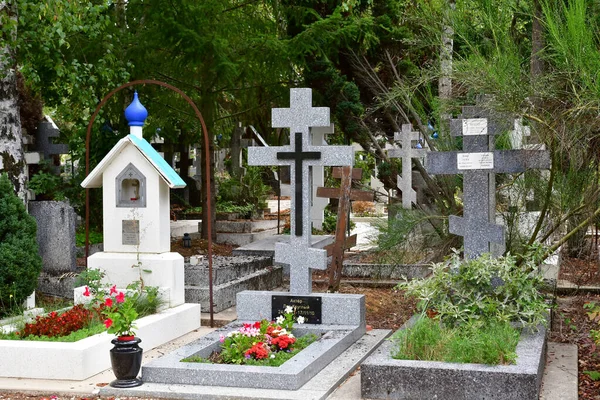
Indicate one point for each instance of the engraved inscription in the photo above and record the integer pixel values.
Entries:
(131, 232)
(475, 126)
(305, 306)
(475, 160)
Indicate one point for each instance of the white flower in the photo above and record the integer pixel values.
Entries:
(280, 319)
(272, 355)
(289, 310)
(300, 319)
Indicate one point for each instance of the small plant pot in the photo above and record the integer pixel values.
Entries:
(126, 361)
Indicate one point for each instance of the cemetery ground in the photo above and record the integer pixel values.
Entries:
(388, 309)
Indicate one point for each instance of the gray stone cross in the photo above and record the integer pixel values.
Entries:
(300, 155)
(407, 153)
(478, 162)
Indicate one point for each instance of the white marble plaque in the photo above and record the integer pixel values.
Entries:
(131, 232)
(474, 126)
(475, 160)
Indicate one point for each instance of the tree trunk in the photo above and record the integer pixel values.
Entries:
(445, 81)
(537, 41)
(12, 160)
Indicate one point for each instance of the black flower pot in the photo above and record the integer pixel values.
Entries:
(126, 361)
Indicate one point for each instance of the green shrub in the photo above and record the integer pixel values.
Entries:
(482, 290)
(20, 264)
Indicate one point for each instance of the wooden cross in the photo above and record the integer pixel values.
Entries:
(345, 194)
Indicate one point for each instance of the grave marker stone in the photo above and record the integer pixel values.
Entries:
(407, 153)
(318, 178)
(300, 155)
(478, 162)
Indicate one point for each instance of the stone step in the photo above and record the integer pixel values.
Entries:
(224, 295)
(246, 226)
(242, 239)
(225, 269)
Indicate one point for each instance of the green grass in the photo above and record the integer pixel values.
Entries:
(280, 357)
(427, 340)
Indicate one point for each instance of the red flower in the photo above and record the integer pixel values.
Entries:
(257, 324)
(108, 323)
(113, 289)
(258, 351)
(108, 302)
(86, 292)
(283, 342)
(247, 326)
(120, 297)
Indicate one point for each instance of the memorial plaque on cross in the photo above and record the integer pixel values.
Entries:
(407, 153)
(300, 154)
(476, 162)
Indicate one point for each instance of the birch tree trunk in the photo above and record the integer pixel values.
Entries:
(445, 81)
(12, 159)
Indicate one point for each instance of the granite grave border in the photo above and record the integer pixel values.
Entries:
(383, 377)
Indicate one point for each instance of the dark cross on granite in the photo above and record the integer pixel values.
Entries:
(345, 194)
(407, 153)
(477, 162)
(300, 155)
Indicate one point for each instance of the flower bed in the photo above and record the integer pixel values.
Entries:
(90, 356)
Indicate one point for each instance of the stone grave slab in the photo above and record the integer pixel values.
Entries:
(383, 377)
(342, 324)
(55, 234)
(231, 275)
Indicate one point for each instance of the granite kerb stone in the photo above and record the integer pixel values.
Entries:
(224, 295)
(383, 377)
(291, 375)
(245, 226)
(225, 269)
(385, 271)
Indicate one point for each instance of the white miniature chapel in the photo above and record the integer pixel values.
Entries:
(135, 183)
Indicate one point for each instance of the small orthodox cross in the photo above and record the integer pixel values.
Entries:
(407, 153)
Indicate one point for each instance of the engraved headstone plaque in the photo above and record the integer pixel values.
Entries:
(306, 306)
(131, 232)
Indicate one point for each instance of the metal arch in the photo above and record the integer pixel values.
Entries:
(206, 168)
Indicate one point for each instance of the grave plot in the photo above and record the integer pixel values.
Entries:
(383, 377)
(339, 318)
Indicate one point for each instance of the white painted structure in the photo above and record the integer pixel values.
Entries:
(90, 356)
(317, 211)
(136, 213)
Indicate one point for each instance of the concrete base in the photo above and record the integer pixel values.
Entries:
(90, 356)
(162, 270)
(231, 275)
(242, 239)
(318, 388)
(266, 247)
(386, 271)
(386, 378)
(59, 286)
(224, 295)
(292, 375)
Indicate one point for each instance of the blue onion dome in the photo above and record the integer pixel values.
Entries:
(136, 113)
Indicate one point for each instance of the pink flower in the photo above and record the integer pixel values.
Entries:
(120, 297)
(108, 302)
(108, 323)
(86, 292)
(113, 289)
(221, 338)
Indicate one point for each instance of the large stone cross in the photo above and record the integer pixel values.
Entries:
(300, 155)
(407, 153)
(478, 162)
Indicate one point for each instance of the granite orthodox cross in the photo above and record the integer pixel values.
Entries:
(407, 153)
(300, 155)
(476, 163)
